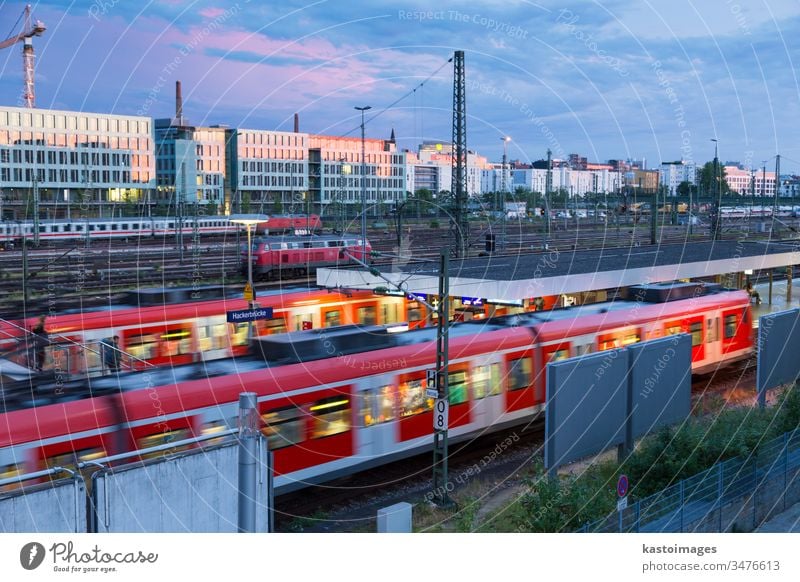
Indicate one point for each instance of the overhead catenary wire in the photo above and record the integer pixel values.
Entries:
(401, 98)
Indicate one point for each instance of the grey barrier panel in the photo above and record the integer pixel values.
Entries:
(660, 382)
(395, 518)
(193, 491)
(56, 507)
(586, 406)
(778, 350)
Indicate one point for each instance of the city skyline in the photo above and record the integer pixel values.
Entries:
(608, 80)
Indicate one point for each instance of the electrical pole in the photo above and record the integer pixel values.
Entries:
(35, 207)
(716, 218)
(363, 188)
(777, 190)
(442, 402)
(458, 187)
(548, 186)
(504, 189)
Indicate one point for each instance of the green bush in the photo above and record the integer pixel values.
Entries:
(434, 224)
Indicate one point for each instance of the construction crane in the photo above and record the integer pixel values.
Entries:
(29, 30)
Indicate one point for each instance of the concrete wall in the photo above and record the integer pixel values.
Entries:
(57, 507)
(191, 492)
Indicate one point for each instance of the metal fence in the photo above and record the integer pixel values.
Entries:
(735, 495)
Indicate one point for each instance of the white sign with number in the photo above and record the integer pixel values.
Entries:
(441, 409)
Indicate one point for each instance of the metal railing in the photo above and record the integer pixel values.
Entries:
(735, 495)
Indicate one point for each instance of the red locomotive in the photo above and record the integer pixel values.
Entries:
(296, 256)
(339, 400)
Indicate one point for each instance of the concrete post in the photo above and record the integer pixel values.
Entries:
(248, 436)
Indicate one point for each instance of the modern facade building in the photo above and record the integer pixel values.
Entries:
(66, 162)
(747, 181)
(190, 164)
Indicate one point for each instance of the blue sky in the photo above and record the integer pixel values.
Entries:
(608, 79)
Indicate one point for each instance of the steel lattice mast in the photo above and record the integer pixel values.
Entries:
(458, 187)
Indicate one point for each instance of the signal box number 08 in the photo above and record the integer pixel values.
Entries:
(440, 413)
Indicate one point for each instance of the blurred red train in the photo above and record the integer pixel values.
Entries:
(325, 416)
(290, 224)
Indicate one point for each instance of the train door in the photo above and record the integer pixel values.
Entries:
(212, 338)
(553, 352)
(377, 410)
(163, 344)
(693, 326)
(487, 391)
(366, 313)
(519, 381)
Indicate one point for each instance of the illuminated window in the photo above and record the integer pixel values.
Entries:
(283, 427)
(673, 330)
(238, 333)
(163, 438)
(457, 385)
(519, 373)
(367, 315)
(629, 339)
(333, 318)
(72, 458)
(377, 406)
(389, 313)
(730, 326)
(486, 381)
(7, 472)
(413, 399)
(331, 416)
(559, 355)
(696, 329)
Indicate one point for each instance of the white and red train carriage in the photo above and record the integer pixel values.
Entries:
(328, 415)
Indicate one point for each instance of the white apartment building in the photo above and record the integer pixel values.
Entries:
(73, 158)
(573, 182)
(671, 174)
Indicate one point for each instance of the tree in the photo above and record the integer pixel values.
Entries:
(277, 204)
(707, 180)
(685, 188)
(245, 202)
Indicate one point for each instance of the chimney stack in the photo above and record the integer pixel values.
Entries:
(178, 102)
(296, 123)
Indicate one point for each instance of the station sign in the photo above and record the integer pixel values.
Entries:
(245, 315)
(417, 296)
(441, 410)
(432, 390)
(472, 301)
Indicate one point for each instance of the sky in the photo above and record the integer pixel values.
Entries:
(609, 80)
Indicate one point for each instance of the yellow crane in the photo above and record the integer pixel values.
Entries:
(29, 30)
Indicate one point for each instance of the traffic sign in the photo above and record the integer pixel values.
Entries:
(432, 391)
(245, 315)
(622, 504)
(441, 410)
(249, 295)
(622, 486)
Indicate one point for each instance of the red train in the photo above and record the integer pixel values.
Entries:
(179, 326)
(291, 224)
(296, 256)
(339, 400)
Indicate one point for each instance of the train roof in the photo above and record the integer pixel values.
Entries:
(303, 237)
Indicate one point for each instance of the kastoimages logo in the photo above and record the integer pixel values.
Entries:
(31, 555)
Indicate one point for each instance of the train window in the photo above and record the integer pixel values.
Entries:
(135, 225)
(414, 311)
(330, 416)
(114, 227)
(214, 427)
(486, 381)
(633, 338)
(413, 399)
(366, 315)
(163, 438)
(42, 229)
(519, 373)
(377, 406)
(584, 349)
(283, 427)
(67, 228)
(239, 333)
(177, 342)
(332, 318)
(711, 331)
(211, 337)
(390, 313)
(272, 326)
(730, 326)
(72, 458)
(457, 385)
(559, 355)
(9, 471)
(696, 329)
(143, 346)
(673, 330)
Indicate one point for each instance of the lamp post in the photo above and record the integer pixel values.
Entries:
(363, 187)
(716, 226)
(249, 220)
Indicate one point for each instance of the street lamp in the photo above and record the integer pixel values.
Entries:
(249, 220)
(363, 187)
